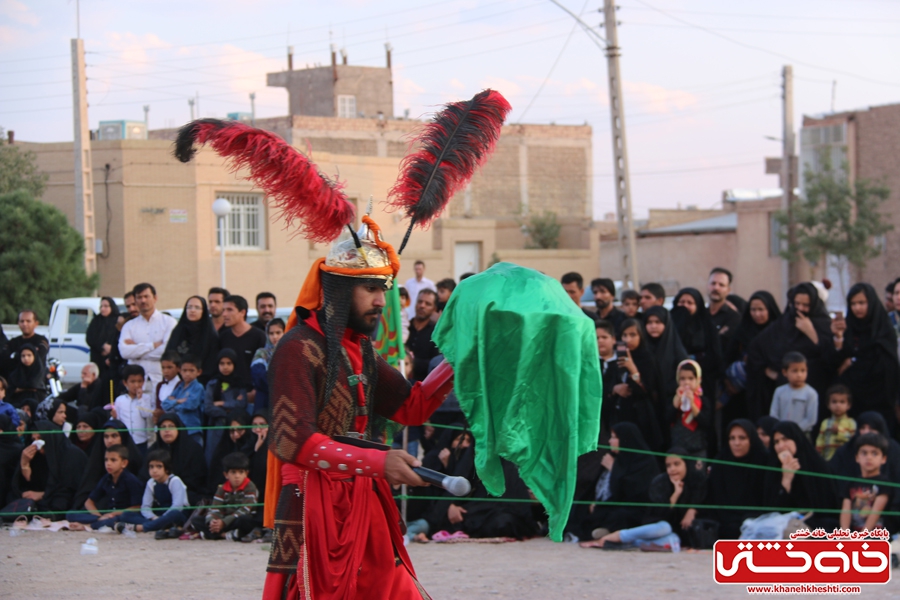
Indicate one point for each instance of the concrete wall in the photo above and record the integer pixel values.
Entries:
(314, 91)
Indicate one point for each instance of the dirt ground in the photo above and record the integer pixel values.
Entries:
(39, 564)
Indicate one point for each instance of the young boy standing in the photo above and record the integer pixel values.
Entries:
(162, 507)
(839, 428)
(135, 408)
(630, 302)
(170, 365)
(795, 401)
(232, 507)
(119, 490)
(187, 397)
(864, 501)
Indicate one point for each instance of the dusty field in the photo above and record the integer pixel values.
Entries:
(48, 565)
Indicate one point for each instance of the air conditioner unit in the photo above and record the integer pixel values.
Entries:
(122, 130)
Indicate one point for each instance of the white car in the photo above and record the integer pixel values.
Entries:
(66, 330)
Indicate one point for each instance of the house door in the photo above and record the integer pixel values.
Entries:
(466, 258)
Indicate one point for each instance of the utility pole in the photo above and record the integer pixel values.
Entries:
(627, 246)
(788, 176)
(253, 109)
(84, 184)
(191, 104)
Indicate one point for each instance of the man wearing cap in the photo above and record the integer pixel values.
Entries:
(605, 296)
(337, 531)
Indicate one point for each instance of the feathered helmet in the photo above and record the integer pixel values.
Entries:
(457, 141)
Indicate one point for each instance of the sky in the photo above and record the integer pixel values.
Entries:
(701, 78)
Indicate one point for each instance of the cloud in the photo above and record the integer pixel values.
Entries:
(652, 98)
(18, 12)
(456, 84)
(10, 36)
(133, 48)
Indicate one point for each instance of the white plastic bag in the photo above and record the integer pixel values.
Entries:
(769, 526)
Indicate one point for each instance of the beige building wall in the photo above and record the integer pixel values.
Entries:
(162, 228)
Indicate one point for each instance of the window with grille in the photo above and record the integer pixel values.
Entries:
(346, 107)
(246, 223)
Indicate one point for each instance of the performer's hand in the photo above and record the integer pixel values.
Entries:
(397, 468)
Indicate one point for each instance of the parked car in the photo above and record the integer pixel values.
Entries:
(66, 331)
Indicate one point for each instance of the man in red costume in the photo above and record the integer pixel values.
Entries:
(337, 528)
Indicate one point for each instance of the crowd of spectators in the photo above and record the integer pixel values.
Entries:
(802, 391)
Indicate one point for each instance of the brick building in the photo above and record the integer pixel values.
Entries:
(154, 214)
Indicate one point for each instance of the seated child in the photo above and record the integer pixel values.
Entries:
(162, 509)
(864, 502)
(120, 489)
(135, 408)
(795, 401)
(839, 428)
(232, 507)
(187, 397)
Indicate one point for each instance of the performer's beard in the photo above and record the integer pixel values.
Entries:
(363, 323)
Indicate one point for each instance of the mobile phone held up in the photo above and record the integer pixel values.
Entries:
(621, 350)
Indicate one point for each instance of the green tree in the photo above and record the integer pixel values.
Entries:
(836, 220)
(41, 257)
(542, 231)
(18, 170)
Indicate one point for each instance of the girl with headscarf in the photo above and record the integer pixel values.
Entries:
(102, 335)
(698, 333)
(636, 396)
(761, 311)
(791, 488)
(259, 368)
(630, 474)
(867, 354)
(49, 476)
(689, 411)
(765, 428)
(187, 456)
(737, 484)
(236, 439)
(113, 433)
(805, 327)
(663, 341)
(63, 416)
(225, 393)
(195, 335)
(666, 527)
(28, 378)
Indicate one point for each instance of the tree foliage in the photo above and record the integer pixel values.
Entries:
(542, 231)
(836, 219)
(18, 170)
(41, 257)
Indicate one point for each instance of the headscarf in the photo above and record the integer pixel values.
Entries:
(668, 349)
(698, 333)
(644, 407)
(735, 484)
(264, 354)
(92, 420)
(632, 472)
(32, 377)
(231, 381)
(807, 491)
(874, 377)
(188, 462)
(65, 464)
(259, 458)
(196, 338)
(71, 412)
(96, 466)
(748, 329)
(102, 330)
(767, 423)
(226, 446)
(662, 488)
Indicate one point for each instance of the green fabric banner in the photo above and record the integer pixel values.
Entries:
(388, 339)
(527, 378)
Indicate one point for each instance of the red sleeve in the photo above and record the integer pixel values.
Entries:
(321, 453)
(416, 403)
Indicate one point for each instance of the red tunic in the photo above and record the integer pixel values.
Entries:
(337, 528)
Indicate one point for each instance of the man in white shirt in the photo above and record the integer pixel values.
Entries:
(143, 339)
(416, 284)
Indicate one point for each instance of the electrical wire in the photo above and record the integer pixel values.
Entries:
(765, 50)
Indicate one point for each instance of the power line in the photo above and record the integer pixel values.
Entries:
(766, 50)
(757, 16)
(776, 31)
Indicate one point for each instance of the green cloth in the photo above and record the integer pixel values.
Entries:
(388, 340)
(527, 378)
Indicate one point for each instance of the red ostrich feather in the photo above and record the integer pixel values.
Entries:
(290, 180)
